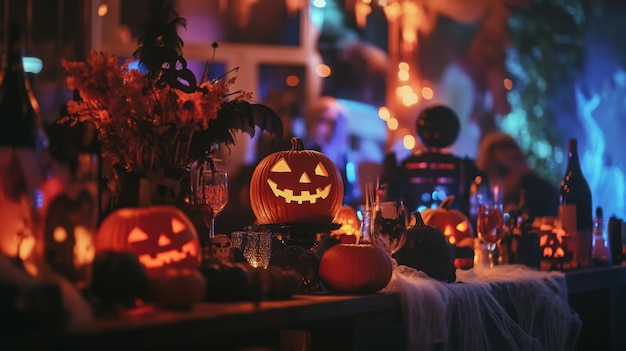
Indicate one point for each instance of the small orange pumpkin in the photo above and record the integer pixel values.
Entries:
(457, 229)
(296, 186)
(355, 268)
(161, 236)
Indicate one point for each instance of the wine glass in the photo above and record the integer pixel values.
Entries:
(390, 222)
(490, 226)
(212, 194)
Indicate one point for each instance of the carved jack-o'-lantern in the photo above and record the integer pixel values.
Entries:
(350, 223)
(296, 186)
(70, 227)
(161, 236)
(457, 229)
(222, 248)
(555, 246)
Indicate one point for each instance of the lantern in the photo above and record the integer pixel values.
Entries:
(161, 236)
(555, 247)
(69, 231)
(457, 229)
(296, 186)
(360, 268)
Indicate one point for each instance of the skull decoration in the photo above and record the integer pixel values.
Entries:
(296, 186)
(161, 236)
(222, 248)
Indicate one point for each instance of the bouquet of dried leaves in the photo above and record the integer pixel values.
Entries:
(158, 116)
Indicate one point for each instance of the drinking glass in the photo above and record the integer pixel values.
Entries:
(490, 227)
(211, 194)
(390, 222)
(256, 247)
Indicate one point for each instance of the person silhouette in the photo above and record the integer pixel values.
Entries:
(426, 177)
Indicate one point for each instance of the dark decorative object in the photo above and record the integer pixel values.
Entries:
(118, 280)
(427, 249)
(438, 126)
(302, 261)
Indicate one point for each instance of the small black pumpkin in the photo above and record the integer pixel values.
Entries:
(427, 249)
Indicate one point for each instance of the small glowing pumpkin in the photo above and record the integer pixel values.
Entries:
(457, 229)
(355, 268)
(161, 236)
(350, 223)
(297, 185)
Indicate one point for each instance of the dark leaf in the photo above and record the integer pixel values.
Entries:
(160, 38)
(235, 116)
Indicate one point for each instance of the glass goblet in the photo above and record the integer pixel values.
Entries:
(390, 223)
(212, 195)
(490, 226)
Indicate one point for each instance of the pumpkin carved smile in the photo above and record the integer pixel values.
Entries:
(305, 195)
(188, 251)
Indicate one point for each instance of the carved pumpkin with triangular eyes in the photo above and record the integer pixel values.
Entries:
(161, 237)
(296, 186)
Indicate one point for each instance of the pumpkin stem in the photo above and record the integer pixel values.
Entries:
(297, 144)
(419, 221)
(446, 204)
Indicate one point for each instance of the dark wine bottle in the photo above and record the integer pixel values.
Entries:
(575, 208)
(22, 141)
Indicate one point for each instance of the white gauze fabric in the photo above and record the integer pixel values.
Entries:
(508, 307)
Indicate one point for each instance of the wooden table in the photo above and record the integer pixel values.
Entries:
(320, 322)
(598, 295)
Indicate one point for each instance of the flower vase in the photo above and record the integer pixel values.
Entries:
(169, 186)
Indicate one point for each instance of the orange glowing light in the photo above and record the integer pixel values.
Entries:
(384, 113)
(508, 84)
(103, 10)
(292, 80)
(392, 123)
(403, 75)
(408, 141)
(427, 93)
(323, 70)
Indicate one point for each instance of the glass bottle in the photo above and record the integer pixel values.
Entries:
(601, 252)
(22, 157)
(575, 208)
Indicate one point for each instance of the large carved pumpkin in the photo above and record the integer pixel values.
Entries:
(457, 229)
(296, 186)
(355, 268)
(161, 237)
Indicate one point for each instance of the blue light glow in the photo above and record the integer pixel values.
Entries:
(32, 64)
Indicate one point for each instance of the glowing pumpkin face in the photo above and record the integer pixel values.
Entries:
(70, 226)
(160, 236)
(296, 186)
(350, 223)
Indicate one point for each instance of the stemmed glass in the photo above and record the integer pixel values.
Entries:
(490, 226)
(209, 194)
(390, 223)
(212, 194)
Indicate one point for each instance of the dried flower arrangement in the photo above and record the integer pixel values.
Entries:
(159, 116)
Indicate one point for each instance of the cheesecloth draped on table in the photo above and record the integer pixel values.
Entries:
(508, 307)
